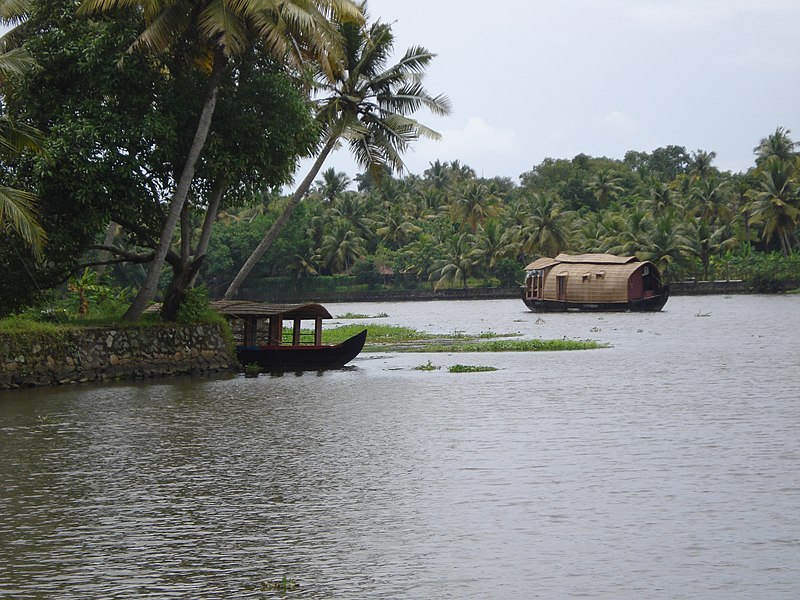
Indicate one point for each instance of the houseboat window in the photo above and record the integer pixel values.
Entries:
(533, 283)
(646, 270)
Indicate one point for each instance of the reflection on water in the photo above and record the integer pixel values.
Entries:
(665, 466)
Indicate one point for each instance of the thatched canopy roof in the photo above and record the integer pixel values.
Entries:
(584, 259)
(245, 308)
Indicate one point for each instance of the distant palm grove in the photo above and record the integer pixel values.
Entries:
(143, 146)
(448, 227)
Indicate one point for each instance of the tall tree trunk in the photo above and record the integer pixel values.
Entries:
(280, 223)
(212, 212)
(148, 290)
(185, 270)
(111, 232)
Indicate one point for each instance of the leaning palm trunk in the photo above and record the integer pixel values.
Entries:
(148, 290)
(280, 223)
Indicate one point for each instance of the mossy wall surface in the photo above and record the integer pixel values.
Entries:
(96, 354)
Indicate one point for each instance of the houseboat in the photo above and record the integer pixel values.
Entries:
(593, 282)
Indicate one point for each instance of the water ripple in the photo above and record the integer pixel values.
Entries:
(663, 467)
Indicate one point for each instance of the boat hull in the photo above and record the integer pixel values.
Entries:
(651, 304)
(277, 359)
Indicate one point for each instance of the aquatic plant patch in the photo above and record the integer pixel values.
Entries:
(393, 338)
(281, 585)
(516, 346)
(429, 366)
(470, 369)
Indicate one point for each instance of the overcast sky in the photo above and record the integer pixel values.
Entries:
(531, 79)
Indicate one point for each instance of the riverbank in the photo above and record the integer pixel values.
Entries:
(81, 355)
(106, 353)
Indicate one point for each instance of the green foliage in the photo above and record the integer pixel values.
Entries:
(470, 369)
(84, 104)
(118, 137)
(92, 295)
(194, 308)
(252, 370)
(366, 272)
(509, 272)
(429, 366)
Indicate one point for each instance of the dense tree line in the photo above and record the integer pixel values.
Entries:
(447, 225)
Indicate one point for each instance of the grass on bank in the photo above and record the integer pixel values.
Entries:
(52, 325)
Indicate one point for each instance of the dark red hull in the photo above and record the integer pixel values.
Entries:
(275, 359)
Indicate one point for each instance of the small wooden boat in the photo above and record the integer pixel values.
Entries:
(279, 358)
(593, 282)
(280, 351)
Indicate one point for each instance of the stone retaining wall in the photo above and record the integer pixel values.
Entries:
(104, 353)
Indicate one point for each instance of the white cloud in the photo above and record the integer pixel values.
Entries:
(618, 124)
(478, 135)
(477, 144)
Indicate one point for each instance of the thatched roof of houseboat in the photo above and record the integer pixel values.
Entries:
(589, 259)
(603, 259)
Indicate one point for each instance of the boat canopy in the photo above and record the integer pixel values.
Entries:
(251, 313)
(592, 259)
(245, 308)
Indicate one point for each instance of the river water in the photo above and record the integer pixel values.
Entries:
(664, 466)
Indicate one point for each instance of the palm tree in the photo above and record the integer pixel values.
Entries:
(395, 227)
(438, 174)
(18, 207)
(473, 205)
(661, 198)
(777, 144)
(665, 243)
(775, 202)
(341, 246)
(333, 183)
(712, 200)
(706, 240)
(546, 225)
(367, 105)
(491, 245)
(222, 29)
(605, 186)
(457, 263)
(625, 231)
(700, 164)
(352, 208)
